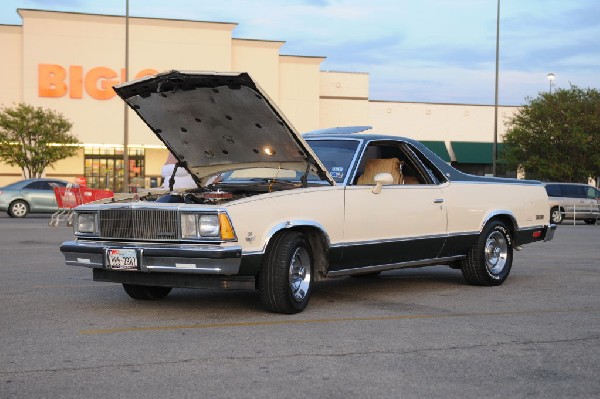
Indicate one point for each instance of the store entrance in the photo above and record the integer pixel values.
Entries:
(104, 168)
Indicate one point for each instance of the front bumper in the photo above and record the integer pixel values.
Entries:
(161, 258)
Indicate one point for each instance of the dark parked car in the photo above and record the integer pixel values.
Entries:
(29, 196)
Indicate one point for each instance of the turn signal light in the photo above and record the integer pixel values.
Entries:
(226, 228)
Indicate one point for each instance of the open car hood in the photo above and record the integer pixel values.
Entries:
(216, 122)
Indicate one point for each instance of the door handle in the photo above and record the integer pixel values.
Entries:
(438, 200)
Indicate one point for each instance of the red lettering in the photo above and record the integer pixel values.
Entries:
(51, 80)
(97, 82)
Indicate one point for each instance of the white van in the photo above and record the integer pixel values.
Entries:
(573, 201)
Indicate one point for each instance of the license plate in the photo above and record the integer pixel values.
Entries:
(122, 259)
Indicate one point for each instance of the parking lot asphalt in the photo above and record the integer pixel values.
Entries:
(410, 333)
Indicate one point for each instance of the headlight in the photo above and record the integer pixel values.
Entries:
(85, 223)
(208, 225)
(203, 225)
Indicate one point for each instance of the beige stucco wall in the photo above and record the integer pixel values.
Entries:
(155, 159)
(9, 174)
(68, 168)
(428, 121)
(11, 80)
(11, 68)
(299, 91)
(343, 99)
(344, 85)
(261, 60)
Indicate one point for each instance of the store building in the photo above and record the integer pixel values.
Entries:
(70, 61)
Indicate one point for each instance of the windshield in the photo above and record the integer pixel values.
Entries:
(336, 155)
(263, 175)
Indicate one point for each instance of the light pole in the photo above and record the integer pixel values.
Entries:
(551, 78)
(125, 110)
(495, 146)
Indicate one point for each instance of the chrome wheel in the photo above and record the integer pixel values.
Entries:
(285, 280)
(556, 215)
(299, 273)
(496, 253)
(18, 209)
(489, 261)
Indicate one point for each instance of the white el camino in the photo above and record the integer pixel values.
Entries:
(287, 210)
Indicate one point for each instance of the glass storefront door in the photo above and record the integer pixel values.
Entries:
(103, 168)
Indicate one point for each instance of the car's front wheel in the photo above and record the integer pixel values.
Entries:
(18, 209)
(556, 215)
(146, 292)
(286, 277)
(490, 260)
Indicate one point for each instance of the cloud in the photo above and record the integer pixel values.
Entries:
(427, 50)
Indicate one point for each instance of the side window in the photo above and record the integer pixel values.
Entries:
(553, 190)
(52, 184)
(392, 158)
(591, 192)
(573, 191)
(36, 185)
(44, 185)
(434, 173)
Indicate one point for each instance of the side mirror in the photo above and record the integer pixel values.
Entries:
(382, 179)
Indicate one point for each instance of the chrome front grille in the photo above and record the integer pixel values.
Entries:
(139, 224)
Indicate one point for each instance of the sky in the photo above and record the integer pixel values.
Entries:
(439, 51)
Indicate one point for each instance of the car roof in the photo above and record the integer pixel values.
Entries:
(359, 133)
(567, 184)
(24, 182)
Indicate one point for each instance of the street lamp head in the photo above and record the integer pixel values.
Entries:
(551, 77)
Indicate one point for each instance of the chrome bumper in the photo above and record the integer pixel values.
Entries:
(549, 233)
(184, 258)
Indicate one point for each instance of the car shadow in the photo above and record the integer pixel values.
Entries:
(388, 287)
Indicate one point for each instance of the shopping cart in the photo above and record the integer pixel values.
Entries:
(71, 196)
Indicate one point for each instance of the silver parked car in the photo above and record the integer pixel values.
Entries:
(29, 196)
(573, 201)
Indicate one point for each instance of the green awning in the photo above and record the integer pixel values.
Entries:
(439, 148)
(472, 152)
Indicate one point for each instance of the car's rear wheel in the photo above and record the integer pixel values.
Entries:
(556, 215)
(286, 277)
(490, 260)
(18, 209)
(146, 292)
(589, 221)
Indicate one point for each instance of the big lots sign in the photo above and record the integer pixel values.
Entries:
(58, 81)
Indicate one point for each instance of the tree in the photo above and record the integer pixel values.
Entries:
(557, 136)
(34, 138)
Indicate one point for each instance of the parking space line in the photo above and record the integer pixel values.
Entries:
(331, 320)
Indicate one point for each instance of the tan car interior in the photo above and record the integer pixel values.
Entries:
(375, 166)
(384, 159)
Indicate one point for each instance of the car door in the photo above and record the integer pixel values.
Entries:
(580, 202)
(593, 200)
(405, 222)
(41, 196)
